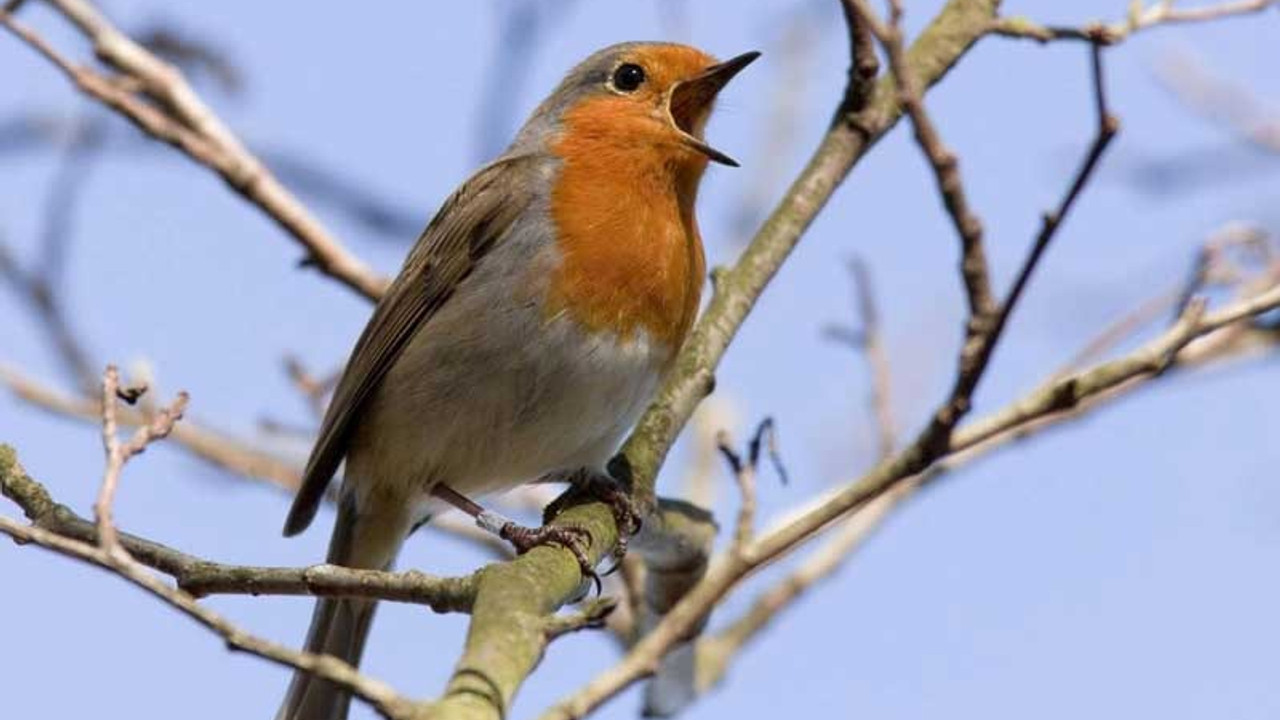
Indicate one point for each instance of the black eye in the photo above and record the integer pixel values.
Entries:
(628, 77)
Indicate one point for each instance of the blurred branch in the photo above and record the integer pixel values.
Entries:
(110, 553)
(1236, 108)
(375, 692)
(176, 115)
(1211, 267)
(38, 290)
(949, 36)
(714, 654)
(199, 577)
(881, 402)
(239, 457)
(522, 25)
(221, 450)
(792, 53)
(1140, 17)
(1055, 399)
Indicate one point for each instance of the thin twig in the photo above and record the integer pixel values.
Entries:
(1139, 18)
(872, 335)
(863, 63)
(942, 161)
(180, 118)
(976, 355)
(591, 616)
(39, 289)
(1101, 381)
(199, 577)
(375, 692)
(117, 453)
(744, 474)
(715, 653)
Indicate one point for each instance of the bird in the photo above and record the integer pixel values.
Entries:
(528, 328)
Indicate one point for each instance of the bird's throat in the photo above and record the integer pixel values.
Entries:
(631, 256)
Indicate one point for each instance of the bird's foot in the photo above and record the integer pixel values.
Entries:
(523, 539)
(595, 485)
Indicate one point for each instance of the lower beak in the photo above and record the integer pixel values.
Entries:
(690, 99)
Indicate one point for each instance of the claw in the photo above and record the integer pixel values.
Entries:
(607, 490)
(524, 539)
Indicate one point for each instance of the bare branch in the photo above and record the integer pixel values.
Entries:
(1237, 109)
(118, 454)
(951, 33)
(236, 456)
(372, 691)
(977, 351)
(863, 63)
(881, 402)
(199, 577)
(1140, 18)
(591, 616)
(181, 119)
(744, 474)
(1103, 381)
(943, 162)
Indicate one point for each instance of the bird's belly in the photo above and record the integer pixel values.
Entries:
(491, 394)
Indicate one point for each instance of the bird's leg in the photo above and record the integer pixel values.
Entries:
(522, 538)
(596, 485)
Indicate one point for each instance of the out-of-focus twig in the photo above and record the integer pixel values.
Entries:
(169, 110)
(46, 305)
(793, 56)
(1236, 108)
(221, 450)
(716, 652)
(1057, 396)
(522, 26)
(1140, 17)
(112, 558)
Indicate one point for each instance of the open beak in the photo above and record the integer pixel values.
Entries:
(690, 99)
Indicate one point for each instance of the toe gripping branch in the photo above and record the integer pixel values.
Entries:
(584, 485)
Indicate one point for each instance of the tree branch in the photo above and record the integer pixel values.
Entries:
(181, 119)
(942, 161)
(1105, 380)
(199, 577)
(375, 692)
(1140, 18)
(960, 24)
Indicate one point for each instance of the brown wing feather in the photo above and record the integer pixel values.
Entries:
(467, 226)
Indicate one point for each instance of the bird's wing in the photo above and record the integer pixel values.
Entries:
(468, 225)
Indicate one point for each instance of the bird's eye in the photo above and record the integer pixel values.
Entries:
(628, 77)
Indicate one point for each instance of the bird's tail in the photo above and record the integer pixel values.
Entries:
(339, 626)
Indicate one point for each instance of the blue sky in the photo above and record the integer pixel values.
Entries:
(1123, 566)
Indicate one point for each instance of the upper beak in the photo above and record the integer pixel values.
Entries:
(690, 99)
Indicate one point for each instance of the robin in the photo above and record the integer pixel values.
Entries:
(528, 329)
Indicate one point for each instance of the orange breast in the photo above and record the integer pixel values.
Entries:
(624, 211)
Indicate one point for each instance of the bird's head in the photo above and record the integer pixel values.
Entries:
(653, 95)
